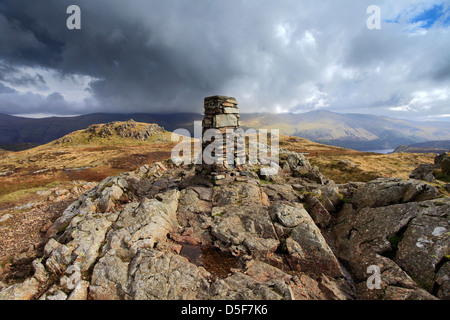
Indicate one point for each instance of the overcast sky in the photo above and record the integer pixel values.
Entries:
(272, 55)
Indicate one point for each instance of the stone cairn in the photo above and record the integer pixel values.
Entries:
(222, 113)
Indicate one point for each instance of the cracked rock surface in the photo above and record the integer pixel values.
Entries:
(164, 232)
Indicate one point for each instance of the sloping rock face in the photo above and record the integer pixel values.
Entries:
(409, 240)
(164, 232)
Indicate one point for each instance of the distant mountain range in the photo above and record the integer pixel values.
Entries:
(353, 131)
(362, 132)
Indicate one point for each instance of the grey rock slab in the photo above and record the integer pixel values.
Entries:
(424, 245)
(156, 275)
(109, 279)
(21, 291)
(383, 192)
(287, 215)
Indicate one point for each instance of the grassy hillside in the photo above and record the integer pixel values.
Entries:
(344, 165)
(89, 155)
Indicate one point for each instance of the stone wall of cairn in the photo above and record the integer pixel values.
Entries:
(222, 113)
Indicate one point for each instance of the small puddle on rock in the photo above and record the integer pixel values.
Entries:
(213, 260)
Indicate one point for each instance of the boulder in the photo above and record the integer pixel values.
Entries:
(149, 222)
(443, 161)
(109, 279)
(443, 281)
(85, 205)
(80, 292)
(280, 192)
(204, 193)
(299, 286)
(307, 248)
(330, 196)
(424, 172)
(156, 275)
(58, 256)
(297, 163)
(438, 159)
(270, 173)
(88, 236)
(245, 228)
(445, 166)
(240, 286)
(39, 271)
(425, 244)
(21, 291)
(5, 218)
(58, 295)
(318, 212)
(190, 202)
(288, 215)
(395, 284)
(387, 191)
(411, 237)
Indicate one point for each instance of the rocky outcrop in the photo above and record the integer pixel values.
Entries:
(440, 158)
(300, 166)
(22, 291)
(129, 129)
(445, 165)
(383, 192)
(410, 240)
(165, 232)
(427, 172)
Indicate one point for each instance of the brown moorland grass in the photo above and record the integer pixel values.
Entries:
(81, 158)
(94, 159)
(344, 165)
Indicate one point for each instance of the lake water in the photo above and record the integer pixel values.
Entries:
(384, 151)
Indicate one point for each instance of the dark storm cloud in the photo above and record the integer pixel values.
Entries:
(155, 62)
(153, 56)
(13, 76)
(27, 36)
(165, 56)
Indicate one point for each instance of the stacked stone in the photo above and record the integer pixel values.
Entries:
(222, 113)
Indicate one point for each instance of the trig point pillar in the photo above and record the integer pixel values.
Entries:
(222, 115)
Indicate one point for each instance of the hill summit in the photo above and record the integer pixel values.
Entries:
(114, 131)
